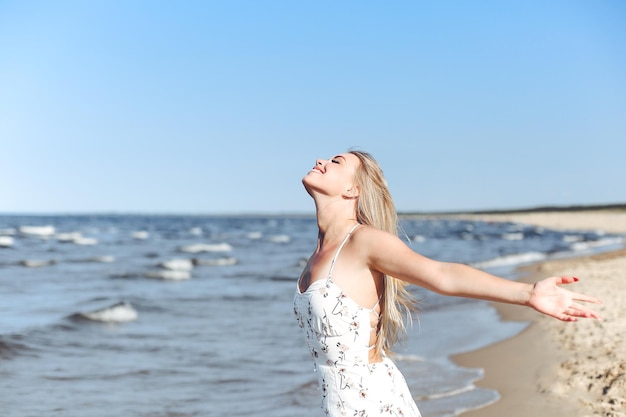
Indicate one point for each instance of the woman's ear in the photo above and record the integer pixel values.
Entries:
(352, 192)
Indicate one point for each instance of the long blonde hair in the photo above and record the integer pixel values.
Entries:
(375, 208)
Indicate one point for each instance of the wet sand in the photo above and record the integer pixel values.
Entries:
(554, 368)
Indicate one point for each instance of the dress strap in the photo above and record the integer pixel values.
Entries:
(373, 309)
(345, 239)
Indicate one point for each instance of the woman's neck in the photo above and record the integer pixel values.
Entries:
(334, 210)
(334, 220)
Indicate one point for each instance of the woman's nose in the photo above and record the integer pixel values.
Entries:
(319, 162)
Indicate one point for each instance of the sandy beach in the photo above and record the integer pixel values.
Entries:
(554, 368)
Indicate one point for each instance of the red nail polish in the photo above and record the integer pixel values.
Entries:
(575, 279)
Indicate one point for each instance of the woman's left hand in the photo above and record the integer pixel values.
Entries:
(550, 299)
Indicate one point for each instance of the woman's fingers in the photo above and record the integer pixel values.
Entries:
(576, 296)
(582, 297)
(566, 279)
(577, 310)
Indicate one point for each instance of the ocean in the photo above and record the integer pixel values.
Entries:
(188, 315)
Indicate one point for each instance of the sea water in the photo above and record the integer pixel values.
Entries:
(150, 316)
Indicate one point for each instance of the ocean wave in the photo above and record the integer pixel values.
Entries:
(99, 259)
(9, 349)
(572, 238)
(247, 298)
(513, 236)
(462, 410)
(255, 235)
(121, 312)
(283, 279)
(451, 393)
(223, 261)
(408, 358)
(177, 264)
(37, 263)
(68, 237)
(85, 241)
(76, 238)
(583, 246)
(511, 260)
(168, 275)
(125, 275)
(103, 376)
(279, 239)
(140, 235)
(205, 247)
(37, 231)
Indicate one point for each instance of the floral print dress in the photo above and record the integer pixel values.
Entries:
(337, 331)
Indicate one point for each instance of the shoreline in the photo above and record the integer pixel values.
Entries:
(553, 368)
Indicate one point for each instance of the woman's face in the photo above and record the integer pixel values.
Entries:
(334, 176)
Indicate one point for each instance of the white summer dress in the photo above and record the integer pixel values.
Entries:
(337, 331)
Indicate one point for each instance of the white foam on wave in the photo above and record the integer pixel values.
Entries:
(205, 247)
(169, 275)
(76, 238)
(86, 241)
(101, 259)
(583, 246)
(37, 263)
(513, 236)
(510, 260)
(571, 238)
(196, 231)
(450, 393)
(254, 235)
(225, 261)
(37, 231)
(140, 235)
(6, 241)
(116, 313)
(461, 410)
(68, 237)
(177, 264)
(279, 238)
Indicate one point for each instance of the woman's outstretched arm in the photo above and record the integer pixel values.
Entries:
(546, 296)
(388, 254)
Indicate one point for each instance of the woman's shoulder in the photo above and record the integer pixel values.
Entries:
(371, 236)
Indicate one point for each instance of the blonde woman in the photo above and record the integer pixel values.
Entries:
(351, 299)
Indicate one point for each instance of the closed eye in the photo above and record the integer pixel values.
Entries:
(337, 159)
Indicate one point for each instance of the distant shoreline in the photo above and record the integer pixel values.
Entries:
(402, 214)
(538, 209)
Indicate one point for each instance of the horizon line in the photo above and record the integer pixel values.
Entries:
(528, 209)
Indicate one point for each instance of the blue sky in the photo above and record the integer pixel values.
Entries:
(222, 106)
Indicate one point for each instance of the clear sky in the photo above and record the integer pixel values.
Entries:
(222, 106)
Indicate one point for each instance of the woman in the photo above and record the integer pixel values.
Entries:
(351, 299)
